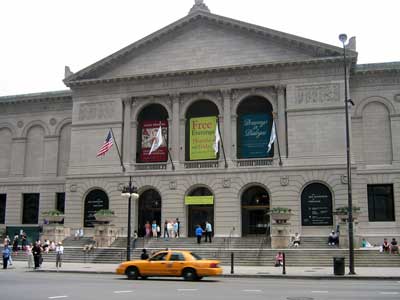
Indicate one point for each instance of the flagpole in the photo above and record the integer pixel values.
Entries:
(277, 141)
(119, 153)
(222, 143)
(169, 155)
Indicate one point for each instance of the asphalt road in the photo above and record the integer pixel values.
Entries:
(40, 285)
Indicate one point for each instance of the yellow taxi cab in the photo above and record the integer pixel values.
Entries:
(175, 263)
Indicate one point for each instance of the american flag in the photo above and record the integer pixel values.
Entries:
(107, 145)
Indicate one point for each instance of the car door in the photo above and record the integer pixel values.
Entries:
(176, 263)
(158, 265)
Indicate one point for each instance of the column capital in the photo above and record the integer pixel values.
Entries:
(127, 100)
(280, 88)
(226, 93)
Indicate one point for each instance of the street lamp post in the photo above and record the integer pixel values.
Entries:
(129, 192)
(343, 39)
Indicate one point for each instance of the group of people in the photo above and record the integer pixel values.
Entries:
(33, 251)
(207, 231)
(171, 229)
(391, 247)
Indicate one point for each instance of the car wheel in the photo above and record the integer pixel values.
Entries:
(132, 273)
(189, 274)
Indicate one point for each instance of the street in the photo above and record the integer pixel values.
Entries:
(21, 285)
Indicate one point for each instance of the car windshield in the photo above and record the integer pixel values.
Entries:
(196, 256)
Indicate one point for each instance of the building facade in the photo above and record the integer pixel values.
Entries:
(202, 72)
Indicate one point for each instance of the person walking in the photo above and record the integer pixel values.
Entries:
(208, 232)
(37, 254)
(179, 226)
(30, 256)
(166, 234)
(144, 255)
(6, 256)
(175, 225)
(134, 239)
(199, 233)
(59, 253)
(154, 229)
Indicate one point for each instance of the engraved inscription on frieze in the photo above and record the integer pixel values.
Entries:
(96, 111)
(324, 93)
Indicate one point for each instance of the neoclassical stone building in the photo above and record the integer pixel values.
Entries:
(199, 71)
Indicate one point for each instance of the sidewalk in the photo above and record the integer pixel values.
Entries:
(239, 271)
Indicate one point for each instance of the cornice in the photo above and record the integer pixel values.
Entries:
(378, 68)
(266, 65)
(37, 97)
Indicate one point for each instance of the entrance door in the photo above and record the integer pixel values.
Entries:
(149, 210)
(198, 215)
(255, 206)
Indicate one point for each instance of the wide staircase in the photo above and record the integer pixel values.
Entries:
(247, 251)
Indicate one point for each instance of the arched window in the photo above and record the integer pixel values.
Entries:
(254, 124)
(64, 148)
(150, 119)
(377, 137)
(201, 120)
(316, 205)
(34, 151)
(94, 201)
(5, 151)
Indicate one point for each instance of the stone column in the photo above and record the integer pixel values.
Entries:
(281, 122)
(18, 156)
(126, 154)
(50, 155)
(133, 126)
(182, 141)
(227, 129)
(233, 143)
(175, 130)
(395, 126)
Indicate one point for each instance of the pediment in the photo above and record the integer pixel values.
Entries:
(205, 41)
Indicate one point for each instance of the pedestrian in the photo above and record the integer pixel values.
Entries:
(166, 234)
(179, 226)
(30, 256)
(147, 228)
(59, 253)
(6, 256)
(144, 254)
(15, 244)
(37, 255)
(154, 229)
(279, 259)
(81, 233)
(208, 232)
(24, 241)
(134, 239)
(176, 228)
(199, 233)
(170, 228)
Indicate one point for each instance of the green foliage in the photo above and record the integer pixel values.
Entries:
(105, 212)
(52, 212)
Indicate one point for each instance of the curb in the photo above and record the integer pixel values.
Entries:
(269, 276)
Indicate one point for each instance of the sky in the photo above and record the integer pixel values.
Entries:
(38, 38)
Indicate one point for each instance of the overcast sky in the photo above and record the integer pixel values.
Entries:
(40, 37)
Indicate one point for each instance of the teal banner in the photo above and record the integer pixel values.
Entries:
(254, 133)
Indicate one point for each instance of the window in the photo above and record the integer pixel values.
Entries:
(3, 208)
(380, 203)
(159, 256)
(60, 202)
(30, 214)
(177, 257)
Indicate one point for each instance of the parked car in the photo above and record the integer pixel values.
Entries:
(174, 263)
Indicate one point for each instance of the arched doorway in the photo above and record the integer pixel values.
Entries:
(94, 201)
(198, 213)
(316, 205)
(255, 206)
(149, 209)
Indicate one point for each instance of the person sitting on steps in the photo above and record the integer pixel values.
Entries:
(333, 239)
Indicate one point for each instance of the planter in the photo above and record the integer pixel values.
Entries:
(344, 216)
(54, 219)
(104, 219)
(280, 217)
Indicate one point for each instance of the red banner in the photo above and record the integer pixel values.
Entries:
(149, 133)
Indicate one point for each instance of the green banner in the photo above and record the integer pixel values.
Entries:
(202, 138)
(192, 200)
